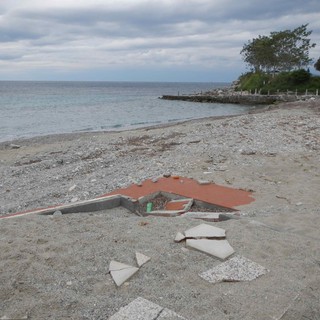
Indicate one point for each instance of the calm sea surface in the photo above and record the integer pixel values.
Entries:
(29, 109)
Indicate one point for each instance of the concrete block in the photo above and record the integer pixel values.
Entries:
(205, 231)
(121, 272)
(142, 309)
(235, 269)
(217, 248)
(207, 216)
(179, 237)
(141, 259)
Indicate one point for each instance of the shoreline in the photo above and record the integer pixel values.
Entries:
(75, 135)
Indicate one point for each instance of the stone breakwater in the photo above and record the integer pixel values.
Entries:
(228, 95)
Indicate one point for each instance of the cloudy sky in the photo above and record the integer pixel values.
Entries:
(140, 40)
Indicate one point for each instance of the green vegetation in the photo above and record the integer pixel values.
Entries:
(278, 63)
(281, 51)
(298, 80)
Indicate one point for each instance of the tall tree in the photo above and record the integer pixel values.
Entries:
(283, 50)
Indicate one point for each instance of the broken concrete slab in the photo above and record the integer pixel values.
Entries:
(235, 269)
(164, 213)
(179, 237)
(207, 216)
(141, 259)
(142, 309)
(179, 205)
(205, 231)
(121, 272)
(217, 248)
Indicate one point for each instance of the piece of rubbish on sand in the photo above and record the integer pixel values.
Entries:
(143, 309)
(179, 237)
(235, 269)
(57, 213)
(205, 231)
(121, 272)
(141, 259)
(217, 248)
(149, 207)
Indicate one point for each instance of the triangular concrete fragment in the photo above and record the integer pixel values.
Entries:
(141, 259)
(121, 272)
(142, 309)
(179, 237)
(205, 231)
(217, 248)
(235, 269)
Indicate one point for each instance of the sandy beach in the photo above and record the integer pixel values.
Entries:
(57, 267)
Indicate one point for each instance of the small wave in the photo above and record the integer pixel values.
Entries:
(118, 125)
(84, 130)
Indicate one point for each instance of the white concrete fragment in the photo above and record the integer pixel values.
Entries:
(235, 269)
(179, 237)
(141, 259)
(217, 248)
(142, 309)
(121, 272)
(205, 231)
(210, 216)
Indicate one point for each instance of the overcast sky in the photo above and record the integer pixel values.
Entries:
(140, 40)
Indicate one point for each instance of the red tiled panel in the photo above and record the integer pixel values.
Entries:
(189, 188)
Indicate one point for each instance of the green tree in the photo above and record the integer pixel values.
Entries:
(284, 50)
(317, 65)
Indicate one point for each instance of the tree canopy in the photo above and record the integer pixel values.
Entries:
(280, 51)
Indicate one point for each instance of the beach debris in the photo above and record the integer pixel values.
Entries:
(75, 199)
(217, 248)
(141, 259)
(179, 237)
(72, 188)
(179, 205)
(57, 213)
(14, 146)
(143, 309)
(207, 239)
(235, 269)
(203, 182)
(207, 216)
(205, 231)
(121, 272)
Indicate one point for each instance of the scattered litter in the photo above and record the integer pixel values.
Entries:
(179, 237)
(217, 248)
(141, 259)
(121, 272)
(235, 269)
(57, 213)
(205, 231)
(143, 309)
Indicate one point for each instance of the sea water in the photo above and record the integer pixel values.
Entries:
(29, 108)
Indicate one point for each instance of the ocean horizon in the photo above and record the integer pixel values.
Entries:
(37, 108)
